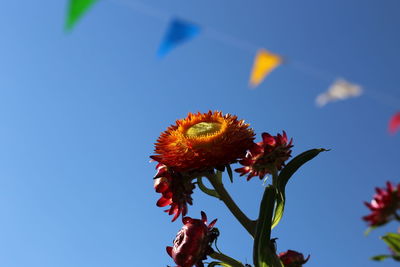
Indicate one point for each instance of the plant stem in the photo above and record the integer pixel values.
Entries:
(206, 190)
(275, 181)
(226, 259)
(216, 182)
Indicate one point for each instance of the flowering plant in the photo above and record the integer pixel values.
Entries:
(384, 209)
(204, 145)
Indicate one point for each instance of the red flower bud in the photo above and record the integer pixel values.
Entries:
(292, 258)
(192, 244)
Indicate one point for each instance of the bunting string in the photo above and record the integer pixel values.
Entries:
(181, 31)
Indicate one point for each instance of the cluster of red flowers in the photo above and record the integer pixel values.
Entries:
(201, 143)
(384, 205)
(204, 142)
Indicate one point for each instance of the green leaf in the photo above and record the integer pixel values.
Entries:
(76, 9)
(280, 207)
(230, 174)
(393, 241)
(380, 257)
(296, 163)
(264, 255)
(285, 175)
(217, 263)
(369, 229)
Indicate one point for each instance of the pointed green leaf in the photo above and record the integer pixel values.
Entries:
(284, 177)
(76, 9)
(263, 253)
(393, 241)
(280, 206)
(380, 257)
(218, 263)
(296, 163)
(369, 230)
(229, 169)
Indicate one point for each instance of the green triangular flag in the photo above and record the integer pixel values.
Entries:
(75, 11)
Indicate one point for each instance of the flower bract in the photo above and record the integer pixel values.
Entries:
(266, 156)
(384, 205)
(293, 258)
(203, 141)
(193, 242)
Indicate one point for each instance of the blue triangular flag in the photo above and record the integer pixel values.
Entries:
(179, 31)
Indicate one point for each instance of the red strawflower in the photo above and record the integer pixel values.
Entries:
(266, 156)
(292, 258)
(384, 205)
(193, 242)
(176, 190)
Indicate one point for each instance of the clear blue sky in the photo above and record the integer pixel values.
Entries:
(79, 114)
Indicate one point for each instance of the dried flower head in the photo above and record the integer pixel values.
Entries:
(203, 141)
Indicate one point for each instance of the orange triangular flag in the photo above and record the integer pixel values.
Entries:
(264, 63)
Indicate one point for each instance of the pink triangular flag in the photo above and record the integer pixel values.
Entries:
(394, 123)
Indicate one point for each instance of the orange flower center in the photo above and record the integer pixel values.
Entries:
(203, 129)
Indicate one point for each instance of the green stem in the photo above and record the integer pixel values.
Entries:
(226, 259)
(216, 182)
(206, 190)
(275, 178)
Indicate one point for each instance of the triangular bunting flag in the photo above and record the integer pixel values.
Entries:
(178, 32)
(339, 90)
(394, 123)
(76, 9)
(264, 63)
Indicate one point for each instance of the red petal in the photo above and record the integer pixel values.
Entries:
(268, 139)
(203, 216)
(389, 187)
(177, 213)
(211, 225)
(169, 251)
(162, 202)
(160, 185)
(186, 220)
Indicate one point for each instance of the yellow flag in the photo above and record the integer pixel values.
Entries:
(264, 63)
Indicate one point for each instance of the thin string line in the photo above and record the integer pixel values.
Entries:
(144, 9)
(227, 39)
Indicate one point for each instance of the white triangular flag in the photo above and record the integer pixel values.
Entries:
(339, 90)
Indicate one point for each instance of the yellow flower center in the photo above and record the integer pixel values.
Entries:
(203, 129)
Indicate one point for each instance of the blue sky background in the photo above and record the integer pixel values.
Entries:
(79, 114)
